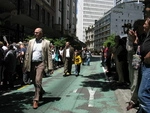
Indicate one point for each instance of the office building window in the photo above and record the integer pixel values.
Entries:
(37, 12)
(48, 19)
(59, 21)
(68, 2)
(43, 16)
(53, 2)
(52, 21)
(67, 14)
(60, 5)
(67, 27)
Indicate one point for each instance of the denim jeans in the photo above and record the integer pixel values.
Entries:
(144, 89)
(77, 69)
(88, 59)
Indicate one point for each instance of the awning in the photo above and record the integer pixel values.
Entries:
(4, 16)
(24, 20)
(31, 23)
(7, 5)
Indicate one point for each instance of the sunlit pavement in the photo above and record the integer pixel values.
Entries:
(90, 92)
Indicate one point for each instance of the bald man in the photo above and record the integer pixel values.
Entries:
(68, 55)
(38, 60)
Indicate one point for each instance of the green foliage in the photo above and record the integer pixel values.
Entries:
(110, 39)
(59, 42)
(29, 38)
(50, 39)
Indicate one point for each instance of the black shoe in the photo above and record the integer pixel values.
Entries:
(77, 75)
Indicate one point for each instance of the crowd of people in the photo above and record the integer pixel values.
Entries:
(12, 59)
(39, 56)
(131, 56)
(28, 62)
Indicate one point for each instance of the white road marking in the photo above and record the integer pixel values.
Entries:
(6, 93)
(105, 74)
(75, 90)
(91, 97)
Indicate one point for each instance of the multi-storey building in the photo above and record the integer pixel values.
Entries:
(121, 1)
(114, 20)
(88, 11)
(19, 18)
(90, 37)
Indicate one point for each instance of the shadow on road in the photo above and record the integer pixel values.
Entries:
(94, 82)
(100, 81)
(18, 102)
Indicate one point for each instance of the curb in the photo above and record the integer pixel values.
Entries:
(123, 96)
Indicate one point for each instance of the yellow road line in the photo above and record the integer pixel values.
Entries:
(22, 87)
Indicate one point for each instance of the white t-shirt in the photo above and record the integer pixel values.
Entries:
(68, 52)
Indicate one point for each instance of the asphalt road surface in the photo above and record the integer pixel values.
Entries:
(90, 92)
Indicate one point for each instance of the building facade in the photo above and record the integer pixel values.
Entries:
(122, 1)
(113, 21)
(90, 37)
(88, 11)
(18, 18)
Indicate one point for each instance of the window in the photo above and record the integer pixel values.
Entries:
(68, 2)
(74, 20)
(60, 5)
(52, 2)
(48, 19)
(67, 14)
(67, 27)
(37, 12)
(43, 16)
(59, 21)
(52, 21)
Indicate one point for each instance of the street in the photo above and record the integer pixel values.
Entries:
(89, 92)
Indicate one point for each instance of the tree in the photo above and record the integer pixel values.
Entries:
(111, 40)
(59, 42)
(31, 37)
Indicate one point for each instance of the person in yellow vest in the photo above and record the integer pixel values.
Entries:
(77, 62)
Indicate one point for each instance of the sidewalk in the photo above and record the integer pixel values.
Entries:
(124, 96)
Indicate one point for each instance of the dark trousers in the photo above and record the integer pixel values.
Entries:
(68, 65)
(77, 69)
(8, 77)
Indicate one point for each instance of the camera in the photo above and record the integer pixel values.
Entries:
(127, 27)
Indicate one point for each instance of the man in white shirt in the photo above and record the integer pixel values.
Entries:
(38, 59)
(68, 54)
